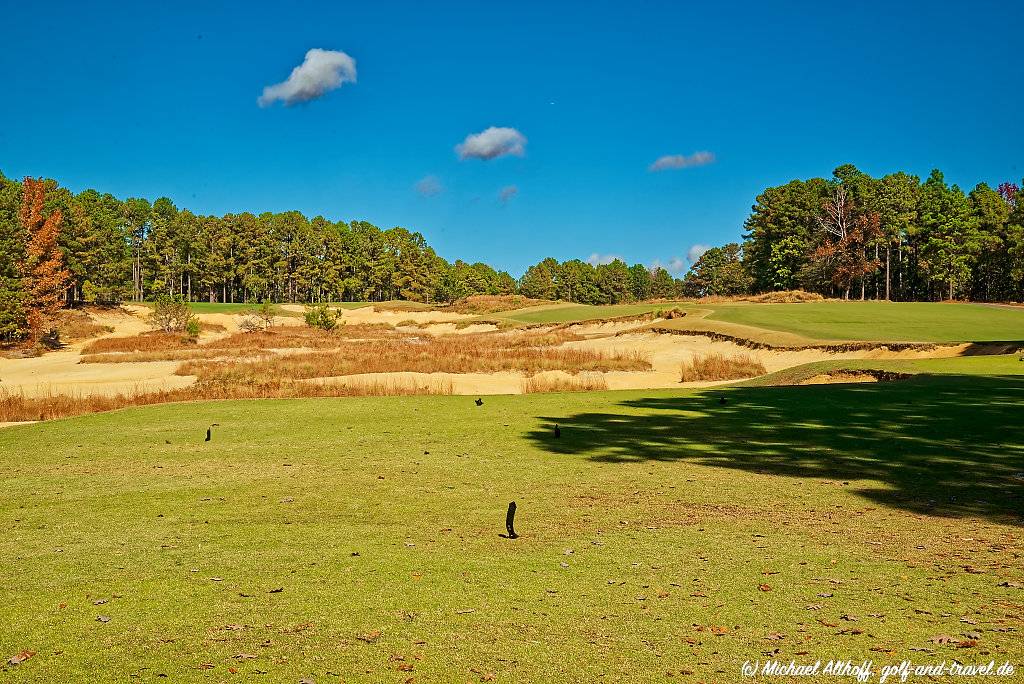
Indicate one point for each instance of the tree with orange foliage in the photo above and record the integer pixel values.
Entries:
(44, 276)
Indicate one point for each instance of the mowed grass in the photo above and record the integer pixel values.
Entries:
(982, 365)
(665, 533)
(571, 313)
(880, 321)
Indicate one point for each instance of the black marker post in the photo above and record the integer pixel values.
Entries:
(510, 519)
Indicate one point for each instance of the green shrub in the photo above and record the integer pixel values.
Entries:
(320, 316)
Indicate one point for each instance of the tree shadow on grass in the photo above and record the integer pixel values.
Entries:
(946, 445)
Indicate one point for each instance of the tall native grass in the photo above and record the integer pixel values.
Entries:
(584, 382)
(707, 367)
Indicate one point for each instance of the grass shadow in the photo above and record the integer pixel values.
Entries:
(945, 445)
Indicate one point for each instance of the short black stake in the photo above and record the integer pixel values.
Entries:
(510, 519)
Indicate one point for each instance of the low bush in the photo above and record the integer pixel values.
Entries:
(174, 315)
(321, 317)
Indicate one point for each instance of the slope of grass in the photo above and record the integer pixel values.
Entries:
(663, 534)
(880, 321)
(992, 365)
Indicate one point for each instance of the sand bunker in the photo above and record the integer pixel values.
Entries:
(667, 353)
(841, 377)
(61, 373)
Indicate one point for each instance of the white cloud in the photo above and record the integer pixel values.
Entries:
(492, 143)
(320, 71)
(507, 193)
(674, 265)
(428, 186)
(695, 252)
(596, 259)
(681, 161)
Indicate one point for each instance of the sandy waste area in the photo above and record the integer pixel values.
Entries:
(60, 372)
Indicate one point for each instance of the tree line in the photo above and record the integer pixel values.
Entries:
(894, 238)
(115, 250)
(851, 235)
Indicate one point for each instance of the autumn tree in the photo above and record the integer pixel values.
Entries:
(44, 275)
(842, 254)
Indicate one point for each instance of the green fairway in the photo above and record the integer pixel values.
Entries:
(881, 321)
(569, 313)
(663, 534)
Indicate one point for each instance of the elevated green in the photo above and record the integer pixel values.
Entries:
(571, 313)
(880, 321)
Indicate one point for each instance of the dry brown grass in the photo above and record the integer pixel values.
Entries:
(718, 367)
(584, 382)
(484, 304)
(17, 407)
(781, 297)
(294, 337)
(191, 354)
(448, 354)
(146, 342)
(75, 324)
(160, 346)
(400, 305)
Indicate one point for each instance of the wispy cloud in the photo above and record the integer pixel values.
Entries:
(507, 193)
(681, 161)
(695, 252)
(492, 143)
(596, 259)
(320, 72)
(428, 186)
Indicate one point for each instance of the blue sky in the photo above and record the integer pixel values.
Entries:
(150, 99)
